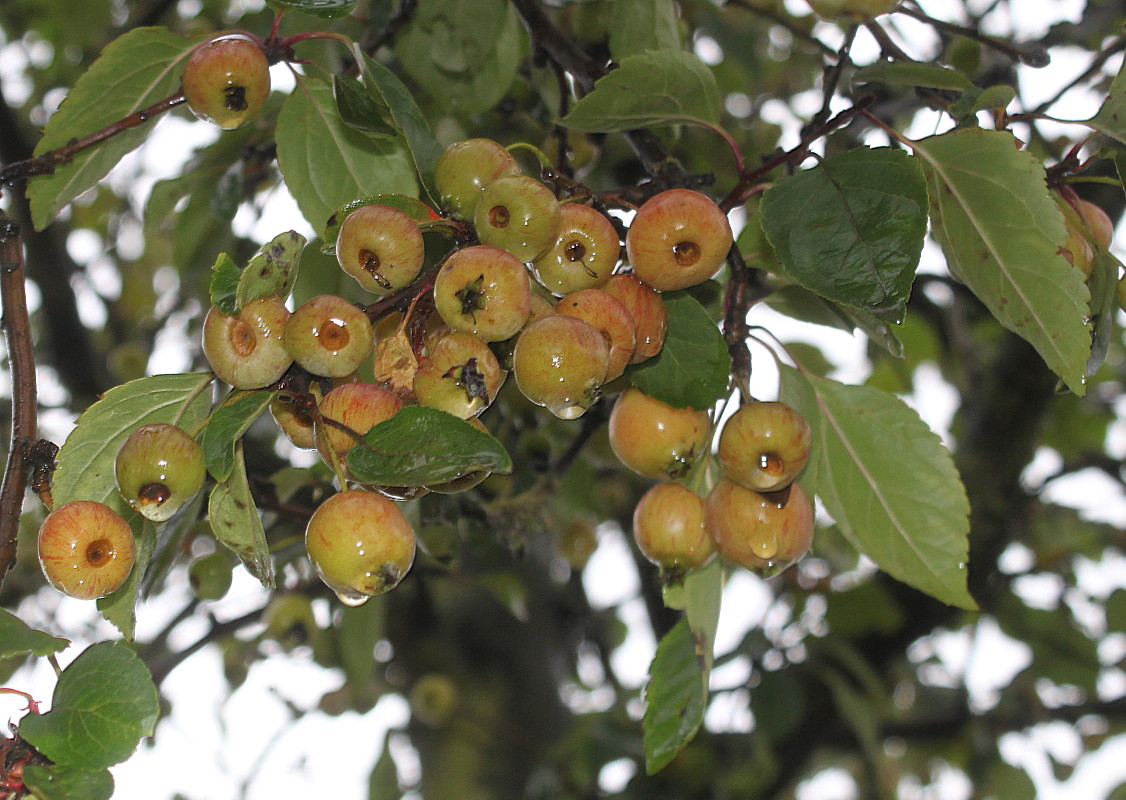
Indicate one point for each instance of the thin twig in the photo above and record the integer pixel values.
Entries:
(1031, 55)
(21, 363)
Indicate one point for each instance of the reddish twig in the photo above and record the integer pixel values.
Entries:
(47, 163)
(21, 363)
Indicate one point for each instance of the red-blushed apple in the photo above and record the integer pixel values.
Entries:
(328, 336)
(381, 247)
(668, 526)
(764, 445)
(584, 253)
(655, 439)
(246, 349)
(650, 318)
(606, 313)
(677, 239)
(485, 291)
(560, 363)
(227, 81)
(765, 532)
(85, 549)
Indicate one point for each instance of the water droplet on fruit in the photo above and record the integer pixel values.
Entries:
(772, 464)
(567, 410)
(350, 598)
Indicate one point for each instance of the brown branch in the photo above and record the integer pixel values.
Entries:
(1032, 55)
(21, 360)
(47, 163)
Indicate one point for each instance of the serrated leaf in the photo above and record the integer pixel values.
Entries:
(57, 782)
(236, 523)
(134, 71)
(1111, 118)
(103, 705)
(464, 53)
(692, 369)
(223, 288)
(85, 462)
(357, 108)
(851, 228)
(903, 73)
(325, 9)
(415, 209)
(119, 608)
(666, 87)
(888, 481)
(643, 25)
(385, 87)
(219, 439)
(675, 697)
(421, 446)
(999, 228)
(273, 270)
(326, 163)
(17, 639)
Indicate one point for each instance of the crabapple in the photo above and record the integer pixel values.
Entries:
(757, 530)
(668, 526)
(1098, 223)
(655, 439)
(158, 468)
(519, 214)
(381, 247)
(246, 349)
(610, 317)
(650, 318)
(584, 253)
(851, 9)
(465, 168)
(461, 376)
(357, 406)
(85, 549)
(677, 239)
(360, 544)
(210, 576)
(227, 81)
(292, 416)
(329, 336)
(764, 445)
(483, 290)
(560, 362)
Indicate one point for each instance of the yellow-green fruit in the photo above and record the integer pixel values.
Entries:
(159, 468)
(668, 526)
(433, 699)
(85, 549)
(851, 9)
(360, 544)
(227, 81)
(210, 576)
(655, 439)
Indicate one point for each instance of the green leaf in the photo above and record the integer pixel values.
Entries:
(888, 481)
(675, 697)
(386, 88)
(17, 639)
(56, 782)
(420, 446)
(235, 522)
(119, 608)
(383, 783)
(1116, 612)
(85, 462)
(851, 229)
(976, 100)
(415, 209)
(325, 9)
(913, 74)
(358, 109)
(666, 87)
(1111, 118)
(225, 427)
(692, 368)
(134, 71)
(1061, 651)
(703, 590)
(273, 270)
(103, 705)
(643, 25)
(224, 285)
(464, 53)
(1000, 230)
(326, 163)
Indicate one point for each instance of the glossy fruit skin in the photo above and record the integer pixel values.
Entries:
(85, 549)
(1099, 225)
(227, 81)
(668, 526)
(851, 9)
(465, 168)
(159, 468)
(764, 445)
(484, 291)
(460, 376)
(294, 421)
(560, 363)
(655, 439)
(650, 318)
(329, 336)
(246, 349)
(677, 239)
(360, 406)
(584, 253)
(360, 544)
(606, 313)
(519, 214)
(756, 530)
(381, 247)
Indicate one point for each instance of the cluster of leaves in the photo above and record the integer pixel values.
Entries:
(839, 243)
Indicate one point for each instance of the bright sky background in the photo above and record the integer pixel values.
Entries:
(248, 745)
